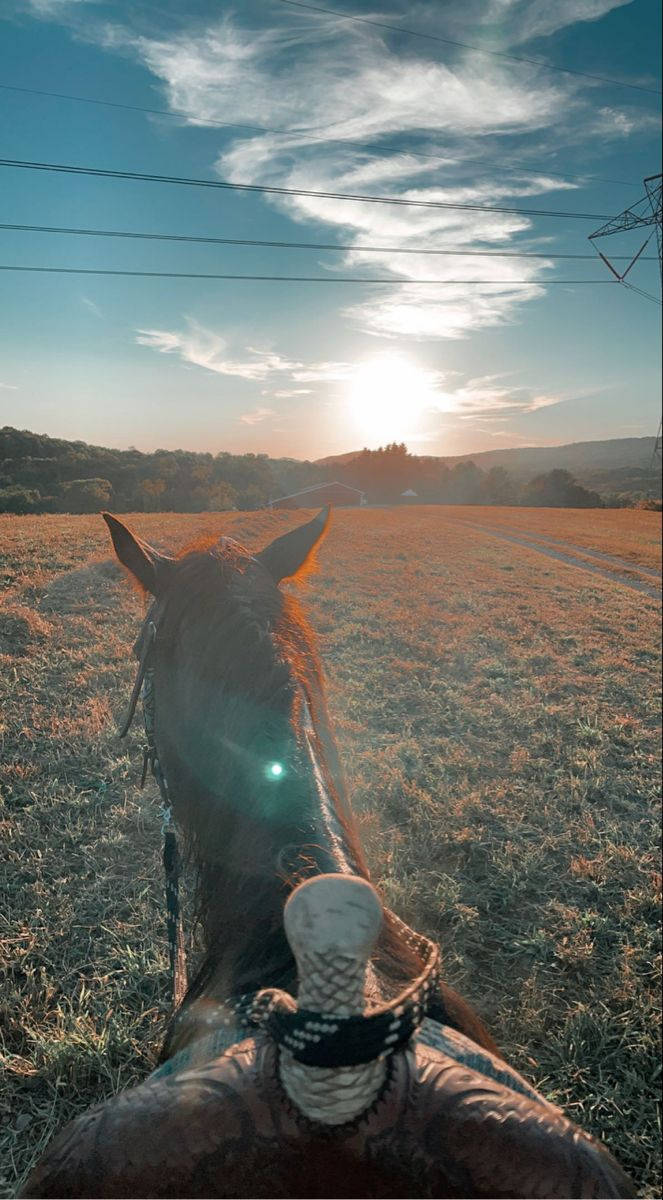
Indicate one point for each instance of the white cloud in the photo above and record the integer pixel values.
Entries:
(430, 117)
(323, 372)
(94, 308)
(485, 397)
(52, 6)
(349, 85)
(9, 387)
(258, 415)
(523, 20)
(204, 348)
(611, 122)
(201, 347)
(286, 393)
(490, 398)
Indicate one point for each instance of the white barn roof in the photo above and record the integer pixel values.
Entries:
(317, 487)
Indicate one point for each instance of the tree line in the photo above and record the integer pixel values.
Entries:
(388, 474)
(39, 474)
(42, 474)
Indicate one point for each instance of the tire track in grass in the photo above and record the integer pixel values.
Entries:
(636, 585)
(621, 563)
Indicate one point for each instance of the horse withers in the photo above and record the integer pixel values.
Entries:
(378, 1080)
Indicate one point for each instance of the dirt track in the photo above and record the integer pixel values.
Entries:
(615, 576)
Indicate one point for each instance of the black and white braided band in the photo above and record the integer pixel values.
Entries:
(325, 1040)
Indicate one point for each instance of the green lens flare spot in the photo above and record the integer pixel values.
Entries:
(275, 770)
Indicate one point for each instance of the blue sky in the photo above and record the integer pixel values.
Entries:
(308, 369)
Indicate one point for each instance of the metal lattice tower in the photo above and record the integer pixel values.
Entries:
(645, 213)
(654, 194)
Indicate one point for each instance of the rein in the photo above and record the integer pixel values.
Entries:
(312, 1038)
(144, 682)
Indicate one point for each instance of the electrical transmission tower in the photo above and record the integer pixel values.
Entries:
(656, 456)
(645, 213)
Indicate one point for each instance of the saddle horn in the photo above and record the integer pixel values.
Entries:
(332, 923)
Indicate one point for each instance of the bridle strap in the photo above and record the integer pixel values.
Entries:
(144, 649)
(146, 642)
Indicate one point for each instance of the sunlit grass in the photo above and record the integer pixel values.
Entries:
(498, 718)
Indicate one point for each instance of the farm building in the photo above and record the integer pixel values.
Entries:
(340, 494)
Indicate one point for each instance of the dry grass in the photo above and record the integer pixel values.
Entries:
(627, 533)
(498, 717)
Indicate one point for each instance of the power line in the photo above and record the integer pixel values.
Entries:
(302, 136)
(217, 241)
(105, 173)
(430, 37)
(300, 278)
(648, 296)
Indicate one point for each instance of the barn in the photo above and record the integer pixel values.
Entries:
(340, 494)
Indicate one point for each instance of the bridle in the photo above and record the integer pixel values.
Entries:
(144, 685)
(311, 1037)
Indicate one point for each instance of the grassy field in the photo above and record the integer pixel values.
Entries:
(498, 717)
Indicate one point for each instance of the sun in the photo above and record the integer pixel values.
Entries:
(387, 397)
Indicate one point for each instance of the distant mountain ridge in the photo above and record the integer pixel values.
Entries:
(614, 464)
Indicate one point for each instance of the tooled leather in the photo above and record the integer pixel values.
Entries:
(226, 1129)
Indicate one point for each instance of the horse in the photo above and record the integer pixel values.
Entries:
(380, 1080)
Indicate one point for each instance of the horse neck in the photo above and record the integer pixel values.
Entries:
(240, 909)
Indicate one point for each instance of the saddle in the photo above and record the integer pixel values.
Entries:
(432, 1116)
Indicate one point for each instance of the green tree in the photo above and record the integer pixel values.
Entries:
(152, 491)
(86, 495)
(558, 489)
(18, 499)
(498, 487)
(465, 484)
(221, 497)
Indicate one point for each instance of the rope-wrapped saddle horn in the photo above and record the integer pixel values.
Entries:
(332, 923)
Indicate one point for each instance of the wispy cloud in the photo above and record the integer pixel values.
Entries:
(198, 346)
(614, 122)
(351, 85)
(286, 393)
(94, 308)
(203, 348)
(489, 399)
(258, 415)
(9, 387)
(54, 9)
(523, 20)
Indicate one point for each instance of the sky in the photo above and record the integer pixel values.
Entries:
(452, 354)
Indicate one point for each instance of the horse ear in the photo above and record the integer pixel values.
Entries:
(288, 555)
(144, 562)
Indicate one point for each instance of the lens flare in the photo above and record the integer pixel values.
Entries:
(275, 770)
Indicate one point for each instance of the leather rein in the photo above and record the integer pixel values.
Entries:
(144, 683)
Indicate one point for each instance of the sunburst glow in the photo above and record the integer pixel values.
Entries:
(387, 397)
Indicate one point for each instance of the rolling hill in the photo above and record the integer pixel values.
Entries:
(614, 465)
